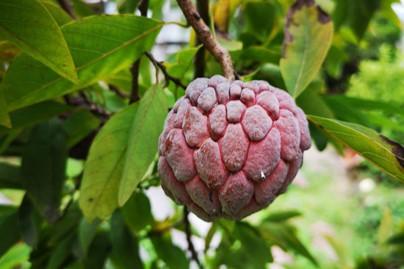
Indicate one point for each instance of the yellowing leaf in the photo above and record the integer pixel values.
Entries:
(221, 15)
(308, 37)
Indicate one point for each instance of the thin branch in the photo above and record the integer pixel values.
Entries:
(134, 71)
(94, 108)
(200, 63)
(143, 6)
(66, 6)
(172, 43)
(188, 234)
(163, 69)
(83, 101)
(206, 37)
(117, 91)
(135, 68)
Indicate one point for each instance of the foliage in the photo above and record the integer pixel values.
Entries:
(379, 79)
(83, 100)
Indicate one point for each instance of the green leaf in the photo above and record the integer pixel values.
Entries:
(365, 112)
(10, 176)
(366, 104)
(143, 140)
(86, 234)
(397, 239)
(98, 251)
(122, 80)
(66, 225)
(104, 166)
(8, 223)
(385, 229)
(121, 155)
(282, 216)
(355, 14)
(260, 18)
(29, 222)
(172, 255)
(57, 13)
(31, 115)
(125, 247)
(344, 111)
(43, 167)
(271, 73)
(230, 44)
(308, 37)
(16, 257)
(44, 42)
(312, 101)
(137, 212)
(234, 250)
(100, 46)
(79, 125)
(320, 139)
(284, 236)
(61, 252)
(183, 61)
(384, 153)
(209, 236)
(127, 6)
(251, 239)
(82, 9)
(260, 54)
(4, 117)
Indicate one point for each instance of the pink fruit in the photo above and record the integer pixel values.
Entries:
(229, 148)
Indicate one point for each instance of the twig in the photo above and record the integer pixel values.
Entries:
(66, 6)
(163, 69)
(83, 101)
(118, 91)
(199, 65)
(143, 6)
(188, 234)
(206, 37)
(172, 43)
(134, 71)
(94, 108)
(135, 68)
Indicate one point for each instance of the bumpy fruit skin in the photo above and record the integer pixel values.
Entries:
(230, 147)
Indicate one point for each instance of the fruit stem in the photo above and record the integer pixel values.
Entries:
(206, 37)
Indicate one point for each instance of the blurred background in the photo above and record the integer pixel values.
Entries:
(341, 211)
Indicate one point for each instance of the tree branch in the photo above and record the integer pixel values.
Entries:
(83, 101)
(134, 71)
(66, 6)
(188, 234)
(172, 43)
(199, 65)
(143, 6)
(163, 69)
(206, 37)
(117, 91)
(135, 68)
